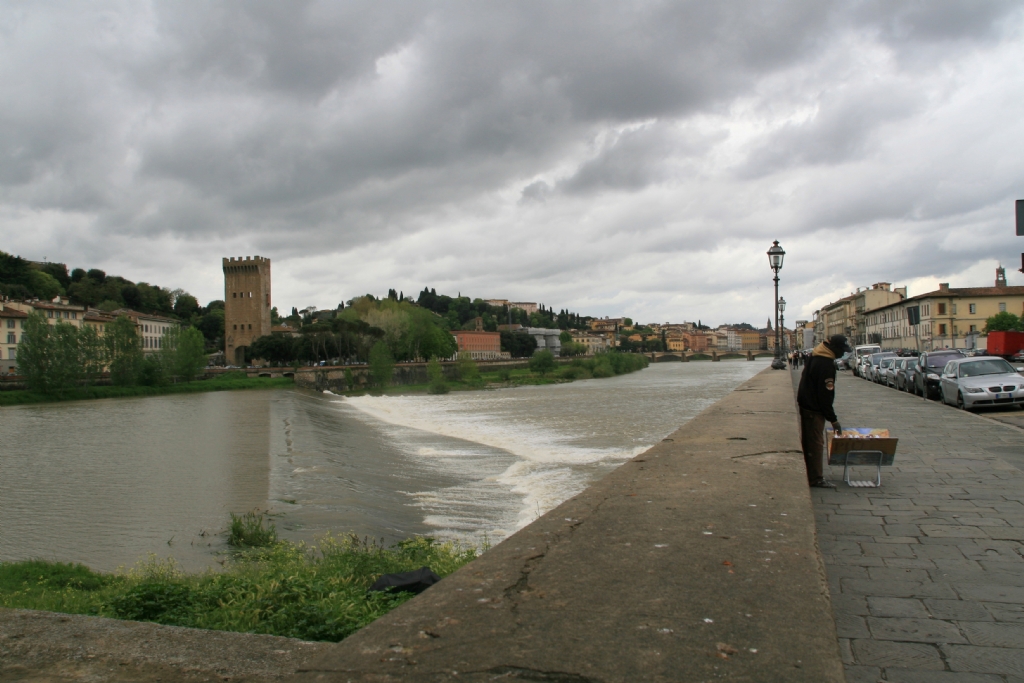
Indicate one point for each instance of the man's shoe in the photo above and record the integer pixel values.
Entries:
(823, 484)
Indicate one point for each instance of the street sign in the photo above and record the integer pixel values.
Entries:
(1020, 217)
(913, 315)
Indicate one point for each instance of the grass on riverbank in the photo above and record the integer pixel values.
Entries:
(294, 590)
(228, 382)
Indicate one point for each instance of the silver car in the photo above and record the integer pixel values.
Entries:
(870, 371)
(905, 374)
(970, 383)
(884, 369)
(893, 372)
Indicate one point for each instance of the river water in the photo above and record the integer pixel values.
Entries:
(107, 482)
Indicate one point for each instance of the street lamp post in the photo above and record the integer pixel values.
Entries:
(782, 326)
(775, 256)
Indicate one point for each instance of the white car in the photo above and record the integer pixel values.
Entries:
(970, 383)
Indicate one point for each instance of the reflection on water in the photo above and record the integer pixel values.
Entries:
(105, 482)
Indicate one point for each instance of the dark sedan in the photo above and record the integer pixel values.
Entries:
(928, 372)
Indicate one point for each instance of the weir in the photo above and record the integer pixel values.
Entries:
(695, 560)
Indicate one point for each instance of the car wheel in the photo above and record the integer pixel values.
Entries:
(960, 401)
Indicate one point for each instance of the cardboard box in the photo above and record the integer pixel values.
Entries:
(861, 439)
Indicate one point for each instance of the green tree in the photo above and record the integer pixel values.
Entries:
(92, 353)
(435, 373)
(183, 353)
(565, 337)
(381, 365)
(34, 352)
(542, 362)
(185, 305)
(1003, 322)
(44, 285)
(124, 351)
(51, 357)
(468, 370)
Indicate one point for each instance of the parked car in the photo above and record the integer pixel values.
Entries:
(970, 383)
(892, 373)
(871, 366)
(859, 353)
(881, 375)
(929, 369)
(905, 373)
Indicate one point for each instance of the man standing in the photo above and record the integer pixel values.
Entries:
(815, 397)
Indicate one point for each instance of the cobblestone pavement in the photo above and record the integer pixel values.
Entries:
(927, 572)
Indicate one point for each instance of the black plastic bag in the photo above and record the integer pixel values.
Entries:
(412, 582)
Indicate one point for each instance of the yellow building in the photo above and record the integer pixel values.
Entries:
(848, 316)
(950, 317)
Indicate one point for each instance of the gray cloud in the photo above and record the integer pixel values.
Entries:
(508, 147)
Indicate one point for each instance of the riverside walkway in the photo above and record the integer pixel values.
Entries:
(926, 573)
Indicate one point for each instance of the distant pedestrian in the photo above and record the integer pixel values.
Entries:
(815, 397)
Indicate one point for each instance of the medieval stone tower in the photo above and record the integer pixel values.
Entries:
(246, 304)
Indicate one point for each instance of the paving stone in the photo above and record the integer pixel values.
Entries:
(914, 630)
(993, 634)
(896, 574)
(992, 660)
(911, 562)
(893, 675)
(896, 607)
(937, 552)
(950, 531)
(885, 653)
(957, 610)
(1004, 613)
(912, 530)
(909, 676)
(863, 674)
(1007, 533)
(1011, 594)
(851, 626)
(897, 589)
(887, 550)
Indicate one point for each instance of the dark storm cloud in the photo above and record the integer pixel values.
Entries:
(430, 132)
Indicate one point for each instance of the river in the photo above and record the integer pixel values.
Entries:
(108, 482)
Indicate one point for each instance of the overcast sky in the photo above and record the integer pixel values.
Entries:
(612, 158)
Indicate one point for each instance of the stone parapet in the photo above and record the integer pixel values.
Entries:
(695, 561)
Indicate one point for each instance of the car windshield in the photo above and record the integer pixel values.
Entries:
(989, 366)
(940, 361)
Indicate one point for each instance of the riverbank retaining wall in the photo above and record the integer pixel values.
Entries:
(334, 378)
(694, 561)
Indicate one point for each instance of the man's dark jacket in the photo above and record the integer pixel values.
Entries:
(817, 383)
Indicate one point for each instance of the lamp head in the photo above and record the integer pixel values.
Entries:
(782, 304)
(775, 256)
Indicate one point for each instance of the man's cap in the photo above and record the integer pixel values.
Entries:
(838, 343)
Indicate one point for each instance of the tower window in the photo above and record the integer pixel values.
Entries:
(234, 295)
(236, 327)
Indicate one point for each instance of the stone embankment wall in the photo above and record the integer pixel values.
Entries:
(333, 378)
(695, 561)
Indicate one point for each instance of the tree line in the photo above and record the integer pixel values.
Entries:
(58, 358)
(24, 279)
(406, 330)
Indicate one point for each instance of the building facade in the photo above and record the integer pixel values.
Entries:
(950, 317)
(848, 316)
(594, 343)
(480, 345)
(246, 304)
(12, 327)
